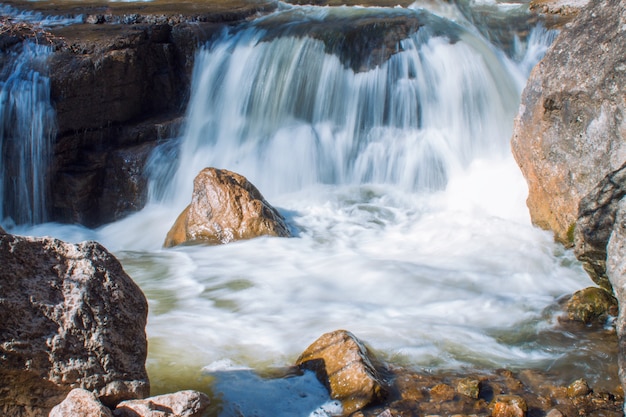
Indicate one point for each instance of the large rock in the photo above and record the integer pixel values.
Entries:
(596, 218)
(571, 126)
(225, 207)
(616, 269)
(347, 368)
(71, 317)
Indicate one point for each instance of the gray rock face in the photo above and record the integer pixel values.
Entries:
(616, 270)
(571, 128)
(71, 317)
(596, 220)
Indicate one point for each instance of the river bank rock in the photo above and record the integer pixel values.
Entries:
(80, 402)
(569, 132)
(179, 404)
(616, 266)
(71, 317)
(592, 305)
(347, 368)
(225, 207)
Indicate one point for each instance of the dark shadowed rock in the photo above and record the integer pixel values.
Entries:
(569, 133)
(71, 318)
(225, 207)
(179, 404)
(347, 368)
(616, 270)
(80, 402)
(596, 218)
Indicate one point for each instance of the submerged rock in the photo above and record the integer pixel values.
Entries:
(71, 317)
(225, 207)
(509, 406)
(347, 368)
(569, 132)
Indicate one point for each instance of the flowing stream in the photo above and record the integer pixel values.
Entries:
(395, 176)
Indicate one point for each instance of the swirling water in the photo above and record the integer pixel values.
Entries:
(407, 208)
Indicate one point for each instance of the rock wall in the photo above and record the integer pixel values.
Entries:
(571, 126)
(71, 317)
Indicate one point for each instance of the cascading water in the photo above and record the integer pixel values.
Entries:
(395, 174)
(27, 126)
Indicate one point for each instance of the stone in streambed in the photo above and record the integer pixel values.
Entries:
(71, 318)
(509, 406)
(591, 305)
(225, 207)
(179, 404)
(80, 402)
(347, 368)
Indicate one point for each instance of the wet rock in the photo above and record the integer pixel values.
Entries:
(554, 413)
(596, 218)
(347, 368)
(509, 406)
(71, 318)
(591, 305)
(469, 387)
(180, 404)
(567, 9)
(578, 388)
(225, 207)
(442, 392)
(80, 402)
(569, 132)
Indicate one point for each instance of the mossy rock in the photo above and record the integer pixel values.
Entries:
(591, 305)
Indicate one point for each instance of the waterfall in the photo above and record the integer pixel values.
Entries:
(26, 132)
(280, 106)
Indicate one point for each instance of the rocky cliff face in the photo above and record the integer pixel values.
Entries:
(571, 127)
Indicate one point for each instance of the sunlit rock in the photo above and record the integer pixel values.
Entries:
(225, 207)
(80, 402)
(347, 368)
(509, 406)
(570, 129)
(179, 404)
(591, 305)
(469, 387)
(71, 317)
(578, 388)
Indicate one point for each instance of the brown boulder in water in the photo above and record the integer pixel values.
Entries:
(225, 207)
(347, 368)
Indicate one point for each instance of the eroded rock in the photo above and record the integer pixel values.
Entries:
(179, 404)
(71, 317)
(570, 129)
(347, 368)
(591, 305)
(225, 207)
(80, 402)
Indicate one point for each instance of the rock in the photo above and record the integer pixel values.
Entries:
(569, 132)
(591, 305)
(596, 217)
(347, 368)
(442, 392)
(509, 406)
(225, 207)
(563, 8)
(80, 402)
(616, 271)
(469, 387)
(554, 413)
(180, 404)
(578, 388)
(71, 317)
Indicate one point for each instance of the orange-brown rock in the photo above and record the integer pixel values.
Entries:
(509, 406)
(570, 131)
(347, 368)
(225, 207)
